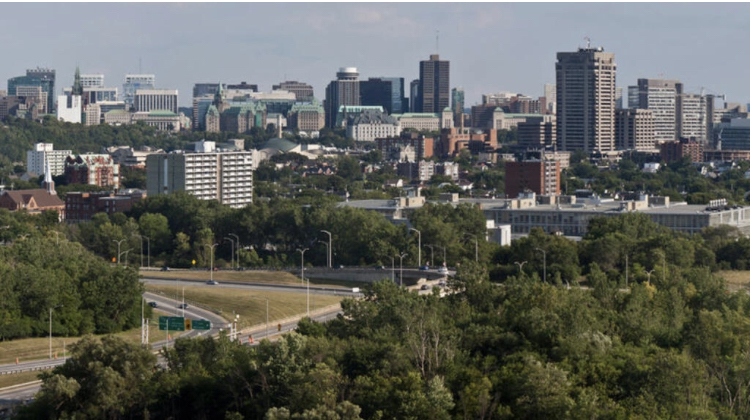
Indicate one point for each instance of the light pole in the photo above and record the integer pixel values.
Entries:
(432, 254)
(330, 247)
(649, 276)
(126, 256)
(236, 249)
(544, 255)
(401, 269)
(520, 265)
(50, 329)
(118, 249)
(212, 259)
(476, 246)
(419, 246)
(302, 265)
(231, 242)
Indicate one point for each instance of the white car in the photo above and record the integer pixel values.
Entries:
(443, 270)
(212, 282)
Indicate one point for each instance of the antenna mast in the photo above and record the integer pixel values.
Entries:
(588, 42)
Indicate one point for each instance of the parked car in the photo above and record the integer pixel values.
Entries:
(153, 304)
(212, 282)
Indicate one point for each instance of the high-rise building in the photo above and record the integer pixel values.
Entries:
(45, 78)
(434, 85)
(342, 91)
(45, 154)
(457, 104)
(586, 100)
(376, 91)
(539, 176)
(660, 96)
(208, 174)
(537, 132)
(692, 116)
(92, 80)
(550, 93)
(146, 100)
(33, 94)
(634, 129)
(133, 83)
(399, 103)
(205, 89)
(413, 95)
(302, 91)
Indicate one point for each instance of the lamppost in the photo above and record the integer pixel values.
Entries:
(419, 246)
(649, 276)
(50, 329)
(476, 246)
(118, 249)
(520, 265)
(231, 242)
(432, 254)
(236, 249)
(401, 269)
(330, 247)
(126, 256)
(302, 265)
(544, 256)
(212, 259)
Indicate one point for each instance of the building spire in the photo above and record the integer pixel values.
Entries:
(77, 88)
(48, 183)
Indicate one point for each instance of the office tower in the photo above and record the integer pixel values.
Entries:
(634, 129)
(550, 93)
(134, 82)
(586, 100)
(45, 78)
(434, 85)
(539, 176)
(692, 116)
(146, 100)
(205, 89)
(45, 156)
(302, 91)
(92, 80)
(537, 132)
(457, 104)
(633, 97)
(619, 104)
(376, 91)
(660, 96)
(399, 103)
(206, 173)
(342, 91)
(413, 95)
(33, 94)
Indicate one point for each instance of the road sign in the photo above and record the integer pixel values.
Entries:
(201, 324)
(188, 324)
(173, 323)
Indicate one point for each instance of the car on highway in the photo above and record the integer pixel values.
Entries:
(182, 306)
(165, 268)
(212, 282)
(424, 267)
(380, 267)
(153, 304)
(339, 267)
(443, 270)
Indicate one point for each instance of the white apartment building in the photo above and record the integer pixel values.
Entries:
(69, 108)
(206, 173)
(693, 117)
(660, 96)
(43, 153)
(92, 80)
(155, 100)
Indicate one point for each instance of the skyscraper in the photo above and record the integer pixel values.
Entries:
(434, 85)
(586, 100)
(342, 91)
(413, 95)
(660, 96)
(387, 92)
(457, 103)
(45, 78)
(134, 82)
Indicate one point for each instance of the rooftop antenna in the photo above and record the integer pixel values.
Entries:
(437, 42)
(588, 42)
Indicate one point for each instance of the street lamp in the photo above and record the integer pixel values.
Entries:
(118, 248)
(302, 276)
(401, 269)
(520, 265)
(236, 249)
(231, 242)
(419, 246)
(50, 329)
(476, 246)
(212, 259)
(330, 247)
(544, 255)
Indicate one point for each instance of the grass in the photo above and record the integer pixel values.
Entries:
(251, 304)
(736, 280)
(18, 378)
(270, 277)
(28, 349)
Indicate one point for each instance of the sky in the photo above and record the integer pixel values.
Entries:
(492, 47)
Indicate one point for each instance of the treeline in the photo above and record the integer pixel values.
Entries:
(524, 350)
(40, 270)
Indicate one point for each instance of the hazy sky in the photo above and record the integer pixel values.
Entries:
(492, 47)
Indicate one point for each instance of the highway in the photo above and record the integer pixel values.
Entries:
(262, 287)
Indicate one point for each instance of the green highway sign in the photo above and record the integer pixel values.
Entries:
(172, 323)
(201, 324)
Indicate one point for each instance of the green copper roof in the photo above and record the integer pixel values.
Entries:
(416, 115)
(161, 113)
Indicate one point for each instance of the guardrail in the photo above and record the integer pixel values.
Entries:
(28, 369)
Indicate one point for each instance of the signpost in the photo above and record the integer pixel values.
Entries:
(171, 323)
(201, 324)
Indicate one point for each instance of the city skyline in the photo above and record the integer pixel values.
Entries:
(491, 47)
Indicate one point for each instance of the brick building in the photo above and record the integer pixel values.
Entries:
(539, 176)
